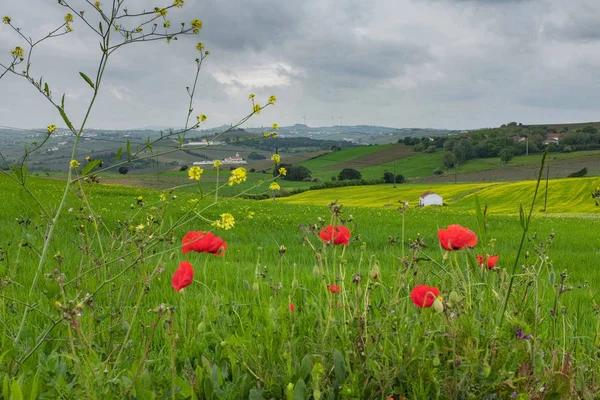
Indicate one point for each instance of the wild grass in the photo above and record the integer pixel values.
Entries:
(119, 330)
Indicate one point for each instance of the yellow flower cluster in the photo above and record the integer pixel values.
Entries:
(97, 5)
(88, 158)
(6, 19)
(161, 11)
(167, 23)
(74, 164)
(196, 26)
(201, 117)
(282, 171)
(272, 99)
(251, 97)
(139, 29)
(274, 186)
(69, 28)
(275, 126)
(51, 128)
(68, 18)
(256, 108)
(238, 175)
(267, 134)
(217, 164)
(276, 158)
(200, 46)
(178, 3)
(195, 173)
(17, 52)
(226, 222)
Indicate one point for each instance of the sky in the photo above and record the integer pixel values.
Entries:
(455, 64)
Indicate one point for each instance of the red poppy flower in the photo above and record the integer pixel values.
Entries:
(335, 289)
(201, 242)
(457, 237)
(183, 277)
(292, 307)
(491, 261)
(424, 296)
(335, 234)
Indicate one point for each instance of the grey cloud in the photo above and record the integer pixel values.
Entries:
(438, 63)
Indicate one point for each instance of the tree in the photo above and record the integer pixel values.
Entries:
(183, 168)
(506, 154)
(297, 173)
(464, 150)
(123, 170)
(388, 177)
(256, 156)
(348, 174)
(449, 160)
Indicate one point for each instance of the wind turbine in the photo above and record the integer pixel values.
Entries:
(341, 120)
(304, 118)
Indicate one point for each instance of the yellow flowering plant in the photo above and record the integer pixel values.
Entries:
(195, 173)
(140, 244)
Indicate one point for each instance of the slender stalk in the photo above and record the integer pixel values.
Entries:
(500, 317)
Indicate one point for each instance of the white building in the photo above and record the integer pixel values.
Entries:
(430, 199)
(235, 160)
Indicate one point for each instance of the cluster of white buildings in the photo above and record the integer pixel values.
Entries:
(235, 160)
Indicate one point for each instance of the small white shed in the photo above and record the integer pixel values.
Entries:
(430, 199)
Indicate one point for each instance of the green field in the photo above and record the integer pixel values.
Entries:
(104, 322)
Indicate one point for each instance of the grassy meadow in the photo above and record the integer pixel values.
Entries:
(103, 321)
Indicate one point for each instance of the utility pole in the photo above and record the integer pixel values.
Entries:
(455, 168)
(394, 173)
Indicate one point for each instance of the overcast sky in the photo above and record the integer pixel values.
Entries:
(403, 63)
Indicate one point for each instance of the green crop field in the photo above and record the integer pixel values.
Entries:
(103, 321)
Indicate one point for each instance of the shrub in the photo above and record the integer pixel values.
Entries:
(438, 171)
(349, 174)
(579, 174)
(506, 155)
(123, 170)
(183, 168)
(256, 156)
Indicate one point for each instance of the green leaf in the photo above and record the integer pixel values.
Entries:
(5, 392)
(62, 101)
(300, 390)
(88, 80)
(46, 89)
(90, 167)
(64, 117)
(34, 387)
(256, 394)
(100, 26)
(339, 367)
(305, 367)
(119, 153)
(17, 173)
(15, 391)
(128, 149)
(149, 145)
